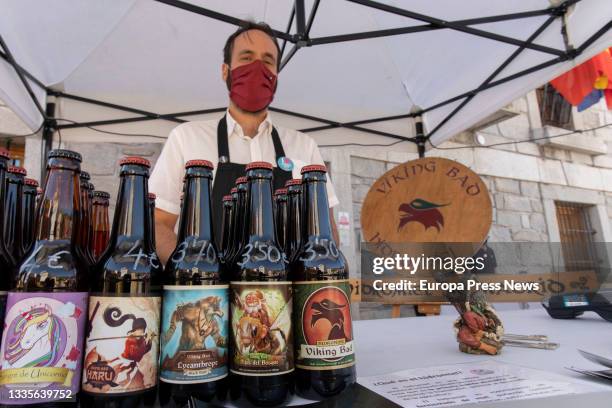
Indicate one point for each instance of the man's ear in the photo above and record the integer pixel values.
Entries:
(225, 72)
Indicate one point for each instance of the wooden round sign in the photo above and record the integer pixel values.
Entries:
(427, 200)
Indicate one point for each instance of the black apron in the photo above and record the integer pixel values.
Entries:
(228, 172)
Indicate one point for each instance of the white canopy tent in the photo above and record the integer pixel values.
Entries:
(364, 65)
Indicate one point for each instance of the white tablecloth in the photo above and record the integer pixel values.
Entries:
(388, 345)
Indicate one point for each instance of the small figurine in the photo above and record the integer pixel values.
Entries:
(478, 328)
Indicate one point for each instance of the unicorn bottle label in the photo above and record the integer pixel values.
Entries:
(121, 350)
(42, 347)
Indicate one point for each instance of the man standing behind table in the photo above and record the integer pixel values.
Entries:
(251, 59)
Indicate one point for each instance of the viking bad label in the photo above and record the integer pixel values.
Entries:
(323, 329)
(122, 347)
(42, 343)
(194, 334)
(261, 327)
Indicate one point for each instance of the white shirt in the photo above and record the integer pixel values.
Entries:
(198, 140)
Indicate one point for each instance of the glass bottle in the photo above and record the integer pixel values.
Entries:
(194, 336)
(47, 306)
(280, 217)
(100, 223)
(226, 224)
(261, 299)
(13, 207)
(325, 357)
(28, 217)
(294, 216)
(121, 357)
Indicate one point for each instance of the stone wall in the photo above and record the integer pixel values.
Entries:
(101, 160)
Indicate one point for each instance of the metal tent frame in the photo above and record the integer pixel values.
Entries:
(301, 38)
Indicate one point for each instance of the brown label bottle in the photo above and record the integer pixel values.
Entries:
(325, 355)
(42, 345)
(261, 298)
(121, 356)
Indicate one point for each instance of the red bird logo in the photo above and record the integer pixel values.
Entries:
(422, 212)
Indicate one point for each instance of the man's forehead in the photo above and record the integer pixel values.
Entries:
(254, 37)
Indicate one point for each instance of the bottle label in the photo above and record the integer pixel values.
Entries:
(324, 329)
(261, 328)
(194, 334)
(42, 346)
(122, 344)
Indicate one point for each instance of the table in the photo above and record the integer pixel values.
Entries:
(388, 345)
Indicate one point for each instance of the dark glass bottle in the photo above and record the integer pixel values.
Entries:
(294, 216)
(152, 197)
(121, 357)
(84, 227)
(194, 353)
(226, 224)
(262, 355)
(46, 309)
(240, 221)
(100, 223)
(28, 217)
(90, 191)
(13, 207)
(323, 324)
(7, 269)
(280, 217)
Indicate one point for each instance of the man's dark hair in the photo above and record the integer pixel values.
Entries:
(249, 25)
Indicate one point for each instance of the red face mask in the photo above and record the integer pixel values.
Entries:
(252, 86)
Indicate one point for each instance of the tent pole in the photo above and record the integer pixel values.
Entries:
(420, 135)
(495, 73)
(20, 74)
(47, 137)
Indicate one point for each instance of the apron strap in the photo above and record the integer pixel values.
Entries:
(278, 146)
(223, 146)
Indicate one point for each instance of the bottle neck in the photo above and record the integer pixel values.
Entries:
(260, 216)
(196, 215)
(59, 207)
(316, 210)
(228, 213)
(132, 215)
(240, 220)
(99, 214)
(294, 232)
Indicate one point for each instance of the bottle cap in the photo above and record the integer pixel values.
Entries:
(293, 182)
(314, 167)
(91, 187)
(199, 163)
(101, 194)
(152, 196)
(259, 165)
(141, 161)
(241, 180)
(4, 153)
(234, 190)
(31, 182)
(17, 170)
(280, 191)
(227, 198)
(85, 175)
(66, 154)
